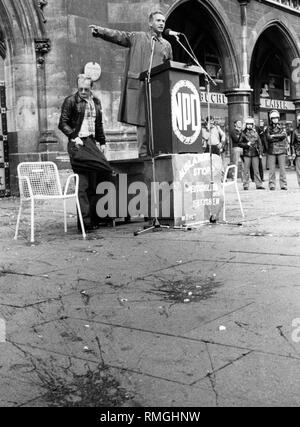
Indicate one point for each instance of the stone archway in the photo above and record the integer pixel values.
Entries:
(186, 16)
(290, 36)
(207, 27)
(273, 52)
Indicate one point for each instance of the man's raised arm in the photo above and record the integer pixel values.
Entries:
(121, 38)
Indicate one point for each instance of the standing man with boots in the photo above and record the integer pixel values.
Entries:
(132, 106)
(295, 146)
(261, 132)
(81, 122)
(276, 141)
(237, 151)
(252, 150)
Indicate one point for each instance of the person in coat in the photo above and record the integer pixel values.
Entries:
(252, 150)
(277, 143)
(295, 145)
(237, 151)
(132, 105)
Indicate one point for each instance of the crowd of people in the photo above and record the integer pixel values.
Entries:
(278, 142)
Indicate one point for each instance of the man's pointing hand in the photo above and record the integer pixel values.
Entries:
(94, 29)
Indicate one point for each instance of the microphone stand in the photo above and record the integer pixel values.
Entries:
(208, 80)
(156, 226)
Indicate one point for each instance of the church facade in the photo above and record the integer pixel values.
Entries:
(250, 48)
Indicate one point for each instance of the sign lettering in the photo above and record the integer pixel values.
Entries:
(276, 104)
(186, 112)
(214, 98)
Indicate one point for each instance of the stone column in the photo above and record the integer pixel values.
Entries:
(42, 48)
(239, 99)
(244, 84)
(297, 105)
(238, 105)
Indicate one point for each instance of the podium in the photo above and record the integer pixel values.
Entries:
(176, 108)
(183, 192)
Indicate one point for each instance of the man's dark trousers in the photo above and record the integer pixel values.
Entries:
(86, 192)
(88, 182)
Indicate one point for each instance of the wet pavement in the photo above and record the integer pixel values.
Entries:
(199, 318)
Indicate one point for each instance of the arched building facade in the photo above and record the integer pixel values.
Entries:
(252, 54)
(272, 66)
(250, 48)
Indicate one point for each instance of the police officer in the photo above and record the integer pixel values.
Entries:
(295, 145)
(276, 141)
(252, 151)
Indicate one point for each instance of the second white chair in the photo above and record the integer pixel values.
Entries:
(227, 183)
(40, 181)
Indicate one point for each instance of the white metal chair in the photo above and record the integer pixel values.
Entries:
(227, 183)
(40, 181)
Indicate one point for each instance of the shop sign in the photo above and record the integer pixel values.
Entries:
(277, 104)
(214, 98)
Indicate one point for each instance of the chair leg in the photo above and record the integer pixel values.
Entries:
(80, 218)
(240, 202)
(65, 217)
(32, 221)
(224, 205)
(18, 221)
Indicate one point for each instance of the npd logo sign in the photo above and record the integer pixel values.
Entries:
(186, 112)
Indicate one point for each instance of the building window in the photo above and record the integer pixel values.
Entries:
(289, 4)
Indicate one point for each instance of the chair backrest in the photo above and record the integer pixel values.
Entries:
(43, 178)
(234, 174)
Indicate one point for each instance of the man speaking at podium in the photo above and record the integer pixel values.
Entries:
(132, 106)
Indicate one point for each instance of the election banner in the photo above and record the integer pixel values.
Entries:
(195, 198)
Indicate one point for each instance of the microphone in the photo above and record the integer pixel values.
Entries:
(169, 32)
